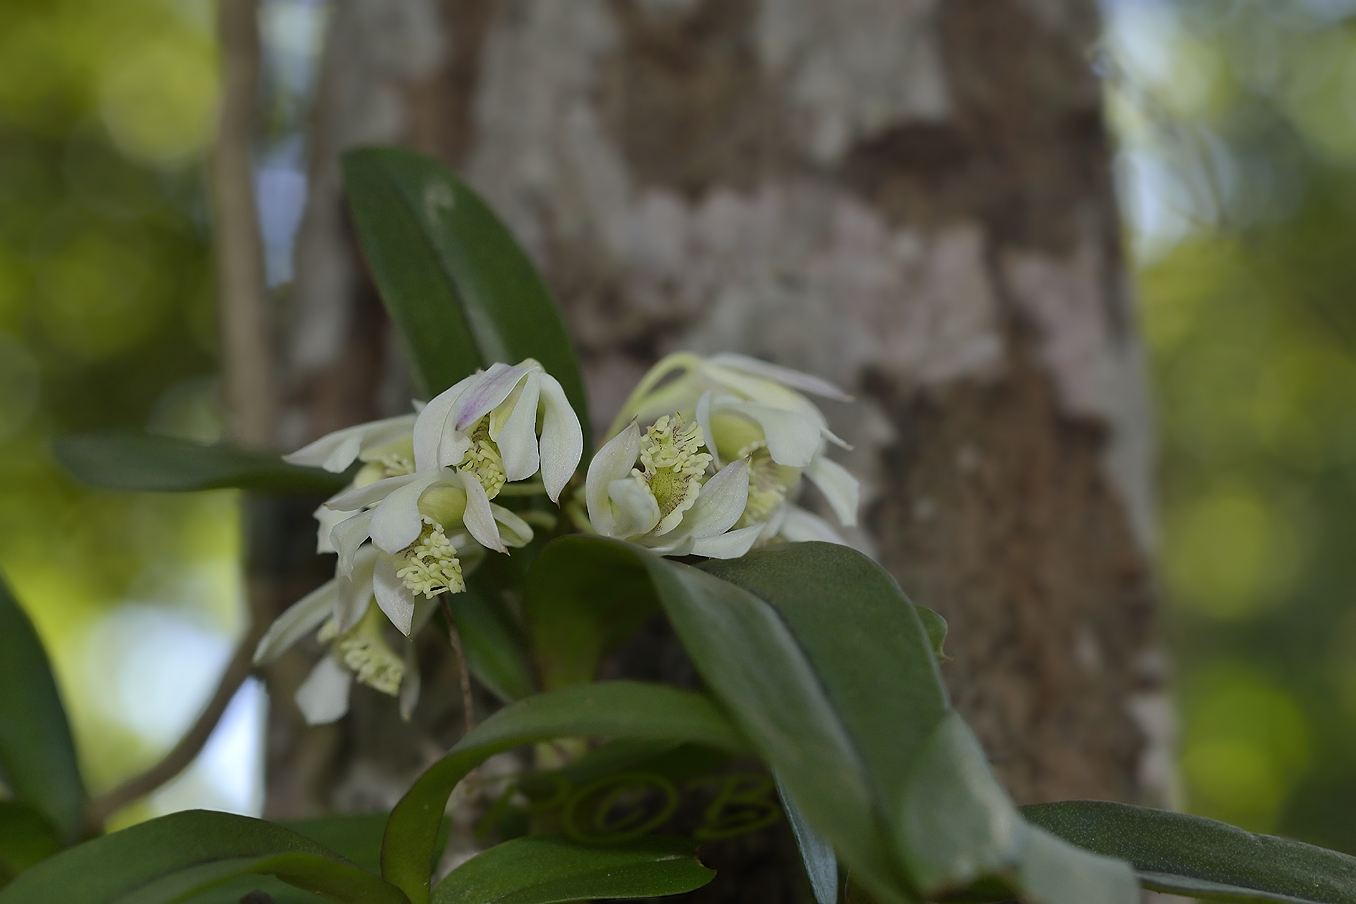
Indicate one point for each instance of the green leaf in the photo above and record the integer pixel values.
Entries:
(579, 611)
(177, 856)
(544, 869)
(828, 670)
(618, 709)
(493, 653)
(816, 854)
(457, 285)
(1193, 856)
(37, 756)
(149, 462)
(26, 839)
(355, 837)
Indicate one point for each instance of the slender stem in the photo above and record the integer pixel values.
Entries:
(463, 672)
(189, 746)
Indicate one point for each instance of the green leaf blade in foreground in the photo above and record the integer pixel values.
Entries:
(173, 857)
(615, 709)
(37, 754)
(456, 282)
(26, 839)
(1193, 856)
(826, 668)
(149, 462)
(546, 869)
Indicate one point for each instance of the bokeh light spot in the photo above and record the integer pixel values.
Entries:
(159, 99)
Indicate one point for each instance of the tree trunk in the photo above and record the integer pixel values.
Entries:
(907, 197)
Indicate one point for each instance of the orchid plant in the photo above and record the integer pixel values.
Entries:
(822, 700)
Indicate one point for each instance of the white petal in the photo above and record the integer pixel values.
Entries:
(792, 439)
(633, 507)
(784, 375)
(801, 526)
(348, 537)
(428, 427)
(514, 531)
(323, 696)
(396, 522)
(409, 684)
(355, 590)
(730, 545)
(301, 618)
(361, 497)
(394, 598)
(326, 520)
(517, 439)
(721, 501)
(479, 517)
(337, 450)
(488, 391)
(704, 421)
(612, 462)
(562, 439)
(839, 487)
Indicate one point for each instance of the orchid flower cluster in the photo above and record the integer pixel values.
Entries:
(706, 459)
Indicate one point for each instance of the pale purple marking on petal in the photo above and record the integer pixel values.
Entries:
(492, 387)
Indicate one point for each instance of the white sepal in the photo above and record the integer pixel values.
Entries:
(839, 487)
(298, 620)
(336, 451)
(562, 439)
(323, 696)
(610, 463)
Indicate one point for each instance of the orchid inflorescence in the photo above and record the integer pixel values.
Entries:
(706, 458)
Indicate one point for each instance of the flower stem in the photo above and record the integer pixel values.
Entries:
(463, 672)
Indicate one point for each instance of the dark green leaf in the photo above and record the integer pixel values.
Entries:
(26, 839)
(493, 653)
(37, 755)
(829, 671)
(457, 285)
(544, 869)
(149, 462)
(580, 610)
(619, 709)
(821, 866)
(1189, 855)
(356, 838)
(176, 856)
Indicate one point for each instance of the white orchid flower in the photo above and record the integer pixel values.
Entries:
(752, 410)
(359, 653)
(668, 504)
(487, 425)
(424, 530)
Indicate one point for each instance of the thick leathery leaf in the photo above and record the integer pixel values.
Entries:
(149, 462)
(1193, 856)
(828, 670)
(174, 857)
(37, 755)
(26, 839)
(579, 610)
(456, 283)
(821, 866)
(355, 837)
(544, 869)
(617, 709)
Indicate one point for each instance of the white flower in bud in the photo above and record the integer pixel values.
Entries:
(753, 411)
(486, 425)
(668, 503)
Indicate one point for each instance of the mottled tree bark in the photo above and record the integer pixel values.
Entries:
(911, 198)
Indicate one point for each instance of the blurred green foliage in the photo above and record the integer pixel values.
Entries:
(105, 300)
(1238, 122)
